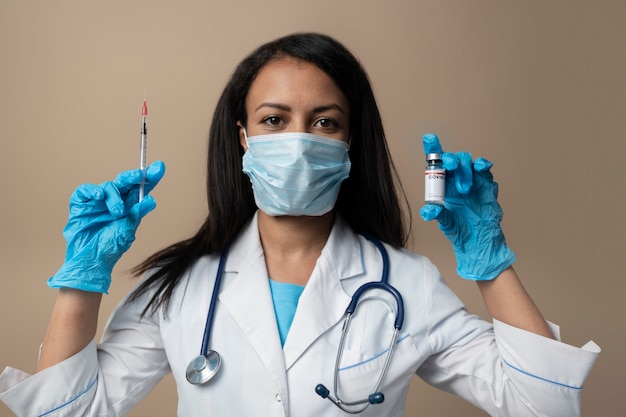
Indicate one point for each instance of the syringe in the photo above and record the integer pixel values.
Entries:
(144, 143)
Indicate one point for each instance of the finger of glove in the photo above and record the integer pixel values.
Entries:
(154, 173)
(86, 200)
(446, 219)
(126, 180)
(482, 165)
(463, 174)
(450, 161)
(430, 212)
(447, 222)
(113, 199)
(431, 144)
(139, 210)
(85, 193)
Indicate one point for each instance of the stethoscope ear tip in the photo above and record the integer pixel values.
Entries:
(376, 398)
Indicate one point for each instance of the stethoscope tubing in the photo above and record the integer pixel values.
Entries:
(376, 397)
(209, 319)
(383, 284)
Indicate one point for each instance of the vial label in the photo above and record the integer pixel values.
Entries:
(435, 185)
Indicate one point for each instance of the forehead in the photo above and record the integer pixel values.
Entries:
(293, 81)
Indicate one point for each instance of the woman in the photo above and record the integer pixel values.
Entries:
(301, 236)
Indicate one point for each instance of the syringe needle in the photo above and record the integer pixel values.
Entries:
(144, 143)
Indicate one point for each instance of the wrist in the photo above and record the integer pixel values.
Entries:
(485, 265)
(95, 278)
(508, 301)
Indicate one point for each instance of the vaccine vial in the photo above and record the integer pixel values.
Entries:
(434, 179)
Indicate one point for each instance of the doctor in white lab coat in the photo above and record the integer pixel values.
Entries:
(295, 107)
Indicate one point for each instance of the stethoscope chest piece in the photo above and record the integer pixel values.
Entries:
(203, 367)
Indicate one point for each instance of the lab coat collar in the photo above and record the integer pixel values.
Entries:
(324, 301)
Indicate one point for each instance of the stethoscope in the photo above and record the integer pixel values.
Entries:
(206, 365)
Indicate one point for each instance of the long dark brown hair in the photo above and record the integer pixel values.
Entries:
(368, 200)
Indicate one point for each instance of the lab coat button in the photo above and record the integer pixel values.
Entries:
(277, 398)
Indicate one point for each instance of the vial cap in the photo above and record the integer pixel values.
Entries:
(433, 156)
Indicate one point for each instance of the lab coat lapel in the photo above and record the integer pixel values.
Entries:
(247, 297)
(324, 301)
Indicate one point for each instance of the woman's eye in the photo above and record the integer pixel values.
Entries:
(273, 121)
(326, 123)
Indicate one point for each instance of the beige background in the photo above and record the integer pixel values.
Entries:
(537, 86)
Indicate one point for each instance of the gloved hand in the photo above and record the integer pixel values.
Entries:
(470, 217)
(101, 227)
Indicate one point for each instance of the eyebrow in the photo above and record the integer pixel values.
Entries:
(285, 107)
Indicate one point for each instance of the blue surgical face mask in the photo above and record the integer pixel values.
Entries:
(295, 173)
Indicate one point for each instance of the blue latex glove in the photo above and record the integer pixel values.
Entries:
(101, 227)
(470, 217)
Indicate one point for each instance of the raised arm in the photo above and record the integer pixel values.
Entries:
(102, 223)
(470, 218)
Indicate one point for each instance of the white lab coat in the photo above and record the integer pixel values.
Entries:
(504, 370)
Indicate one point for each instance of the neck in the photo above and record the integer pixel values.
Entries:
(292, 244)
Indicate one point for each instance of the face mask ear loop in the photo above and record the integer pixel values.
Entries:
(245, 134)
